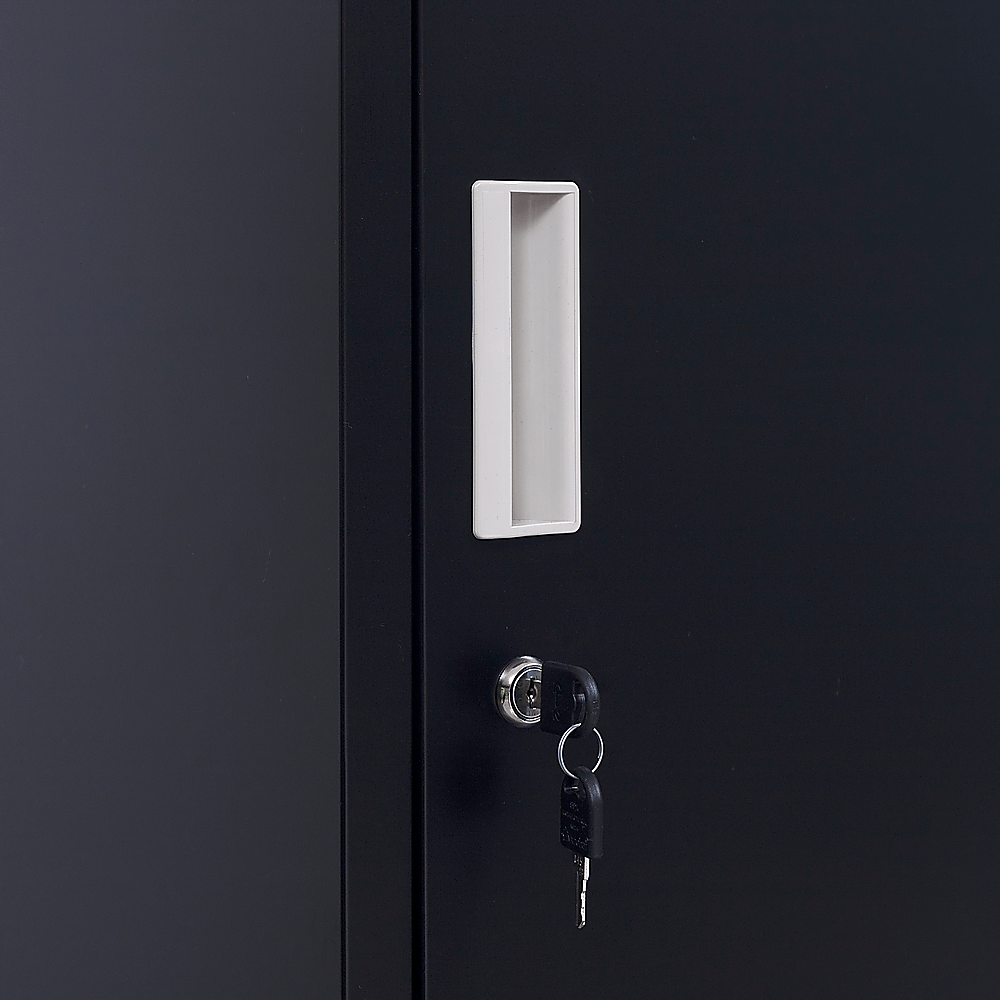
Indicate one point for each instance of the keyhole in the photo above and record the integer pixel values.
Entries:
(531, 693)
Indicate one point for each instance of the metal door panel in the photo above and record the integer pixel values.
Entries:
(785, 579)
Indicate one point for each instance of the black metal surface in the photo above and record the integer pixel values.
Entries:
(168, 521)
(786, 574)
(377, 440)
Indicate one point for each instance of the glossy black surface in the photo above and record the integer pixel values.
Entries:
(168, 522)
(785, 582)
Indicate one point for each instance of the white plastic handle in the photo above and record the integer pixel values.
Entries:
(525, 358)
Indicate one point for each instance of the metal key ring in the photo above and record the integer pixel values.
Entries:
(562, 743)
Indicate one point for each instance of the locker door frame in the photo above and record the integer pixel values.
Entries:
(381, 761)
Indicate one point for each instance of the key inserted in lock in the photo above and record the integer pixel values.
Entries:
(563, 700)
(556, 695)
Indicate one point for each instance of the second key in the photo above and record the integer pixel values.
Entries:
(581, 829)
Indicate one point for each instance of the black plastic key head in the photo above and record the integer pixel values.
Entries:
(569, 696)
(581, 822)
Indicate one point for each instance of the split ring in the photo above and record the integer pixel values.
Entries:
(562, 743)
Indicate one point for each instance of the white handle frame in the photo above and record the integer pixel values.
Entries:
(525, 358)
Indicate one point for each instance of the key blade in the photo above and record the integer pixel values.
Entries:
(582, 877)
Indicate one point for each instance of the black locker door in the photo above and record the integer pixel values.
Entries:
(168, 505)
(785, 581)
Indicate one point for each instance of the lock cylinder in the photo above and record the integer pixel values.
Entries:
(519, 691)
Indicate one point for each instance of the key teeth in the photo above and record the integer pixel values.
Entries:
(582, 877)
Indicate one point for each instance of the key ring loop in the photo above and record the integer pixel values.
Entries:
(562, 743)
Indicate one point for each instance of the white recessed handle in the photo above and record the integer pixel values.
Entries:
(525, 358)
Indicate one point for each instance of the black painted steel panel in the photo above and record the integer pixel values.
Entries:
(786, 577)
(377, 441)
(168, 522)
